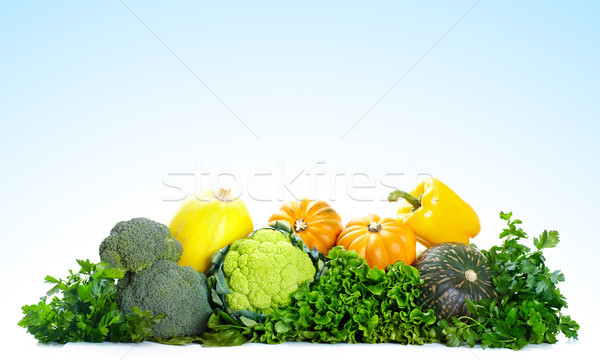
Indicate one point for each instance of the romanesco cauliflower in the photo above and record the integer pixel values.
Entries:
(263, 270)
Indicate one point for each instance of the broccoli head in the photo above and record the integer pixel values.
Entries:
(178, 292)
(262, 271)
(135, 244)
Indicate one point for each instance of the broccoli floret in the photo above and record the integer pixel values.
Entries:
(135, 244)
(263, 270)
(178, 292)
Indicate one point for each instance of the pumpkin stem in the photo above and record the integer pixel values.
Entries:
(374, 227)
(396, 194)
(223, 195)
(300, 225)
(470, 275)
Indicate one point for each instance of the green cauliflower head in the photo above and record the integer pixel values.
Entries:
(263, 270)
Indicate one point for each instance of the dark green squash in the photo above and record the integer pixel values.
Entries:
(452, 272)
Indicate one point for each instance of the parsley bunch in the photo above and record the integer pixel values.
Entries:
(86, 310)
(529, 303)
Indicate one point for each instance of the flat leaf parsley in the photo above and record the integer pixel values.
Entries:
(85, 310)
(529, 306)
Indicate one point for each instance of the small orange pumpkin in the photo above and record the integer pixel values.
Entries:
(381, 242)
(317, 224)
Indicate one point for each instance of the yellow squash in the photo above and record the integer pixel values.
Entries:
(208, 222)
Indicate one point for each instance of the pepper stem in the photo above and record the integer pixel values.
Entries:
(396, 194)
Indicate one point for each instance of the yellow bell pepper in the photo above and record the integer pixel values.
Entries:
(436, 214)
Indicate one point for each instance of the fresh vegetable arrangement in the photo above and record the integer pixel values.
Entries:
(210, 279)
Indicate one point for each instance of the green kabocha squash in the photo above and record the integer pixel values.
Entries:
(451, 273)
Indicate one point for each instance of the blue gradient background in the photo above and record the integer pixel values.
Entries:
(96, 113)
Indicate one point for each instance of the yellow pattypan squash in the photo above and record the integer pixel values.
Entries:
(208, 222)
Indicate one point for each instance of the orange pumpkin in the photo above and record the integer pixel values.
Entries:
(381, 242)
(317, 224)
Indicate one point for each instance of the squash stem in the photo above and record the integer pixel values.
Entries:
(300, 225)
(470, 275)
(374, 227)
(223, 195)
(397, 194)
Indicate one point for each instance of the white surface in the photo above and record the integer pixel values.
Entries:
(293, 351)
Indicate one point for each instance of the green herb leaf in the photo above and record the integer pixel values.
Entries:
(546, 240)
(86, 310)
(51, 280)
(530, 304)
